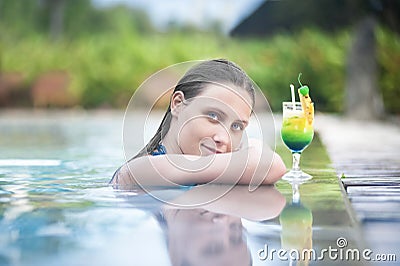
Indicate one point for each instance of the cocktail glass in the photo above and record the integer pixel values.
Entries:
(297, 133)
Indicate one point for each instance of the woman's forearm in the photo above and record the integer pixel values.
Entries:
(228, 168)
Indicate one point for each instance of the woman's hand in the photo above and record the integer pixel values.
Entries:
(264, 165)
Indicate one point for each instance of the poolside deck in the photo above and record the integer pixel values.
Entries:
(367, 155)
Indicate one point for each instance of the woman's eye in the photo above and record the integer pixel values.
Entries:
(237, 126)
(213, 116)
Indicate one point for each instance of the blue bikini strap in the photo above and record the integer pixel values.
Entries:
(160, 150)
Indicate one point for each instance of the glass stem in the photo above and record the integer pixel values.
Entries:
(296, 193)
(296, 161)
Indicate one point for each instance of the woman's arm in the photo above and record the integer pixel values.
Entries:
(264, 203)
(242, 167)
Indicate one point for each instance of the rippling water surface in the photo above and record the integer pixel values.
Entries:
(56, 207)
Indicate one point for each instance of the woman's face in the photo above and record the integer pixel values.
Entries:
(214, 121)
(201, 237)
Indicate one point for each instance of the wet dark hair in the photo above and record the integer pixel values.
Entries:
(193, 83)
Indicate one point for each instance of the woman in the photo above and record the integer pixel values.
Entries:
(200, 138)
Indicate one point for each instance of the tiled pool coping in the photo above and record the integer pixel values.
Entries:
(366, 155)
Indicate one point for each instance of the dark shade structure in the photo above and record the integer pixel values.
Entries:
(290, 15)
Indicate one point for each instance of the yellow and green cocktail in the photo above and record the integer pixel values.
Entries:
(297, 130)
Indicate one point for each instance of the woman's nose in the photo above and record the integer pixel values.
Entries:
(222, 138)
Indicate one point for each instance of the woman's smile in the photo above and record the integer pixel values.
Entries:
(209, 150)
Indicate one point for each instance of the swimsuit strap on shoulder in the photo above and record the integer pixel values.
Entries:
(160, 150)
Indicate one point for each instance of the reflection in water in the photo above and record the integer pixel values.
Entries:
(296, 222)
(201, 237)
(213, 234)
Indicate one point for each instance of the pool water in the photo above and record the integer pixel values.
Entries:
(55, 204)
(56, 207)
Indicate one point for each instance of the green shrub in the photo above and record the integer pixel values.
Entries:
(106, 68)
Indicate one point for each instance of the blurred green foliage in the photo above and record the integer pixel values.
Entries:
(108, 53)
(389, 62)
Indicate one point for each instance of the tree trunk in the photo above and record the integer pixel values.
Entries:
(56, 18)
(363, 98)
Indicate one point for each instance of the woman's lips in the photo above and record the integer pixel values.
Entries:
(211, 150)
